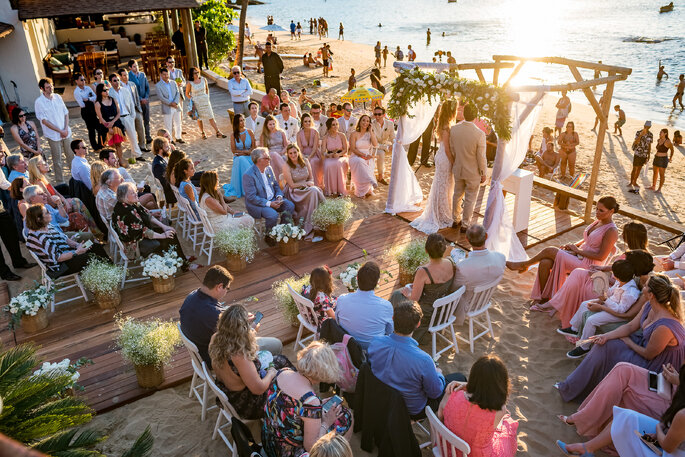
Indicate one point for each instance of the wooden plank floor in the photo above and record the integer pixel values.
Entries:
(545, 221)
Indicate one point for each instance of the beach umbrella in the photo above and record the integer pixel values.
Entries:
(273, 28)
(362, 94)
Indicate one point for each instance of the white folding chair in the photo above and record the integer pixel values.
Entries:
(307, 316)
(208, 234)
(479, 306)
(198, 385)
(120, 258)
(444, 442)
(61, 284)
(158, 190)
(443, 319)
(182, 213)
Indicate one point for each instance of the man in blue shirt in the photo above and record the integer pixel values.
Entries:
(363, 314)
(140, 80)
(397, 361)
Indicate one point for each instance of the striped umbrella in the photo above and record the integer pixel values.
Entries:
(362, 94)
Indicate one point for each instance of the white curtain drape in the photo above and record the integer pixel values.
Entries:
(404, 192)
(501, 235)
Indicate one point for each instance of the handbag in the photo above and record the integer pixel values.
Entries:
(192, 111)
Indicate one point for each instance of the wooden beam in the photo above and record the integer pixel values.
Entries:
(515, 72)
(588, 94)
(451, 66)
(565, 61)
(480, 75)
(189, 36)
(495, 76)
(531, 105)
(571, 86)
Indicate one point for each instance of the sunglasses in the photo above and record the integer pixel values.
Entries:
(22, 115)
(115, 80)
(377, 114)
(236, 72)
(98, 73)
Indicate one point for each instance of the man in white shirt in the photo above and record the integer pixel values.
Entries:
(254, 121)
(289, 124)
(481, 267)
(107, 195)
(85, 97)
(347, 123)
(54, 119)
(318, 119)
(240, 90)
(176, 75)
(127, 112)
(80, 168)
(168, 94)
(139, 121)
(674, 264)
(385, 135)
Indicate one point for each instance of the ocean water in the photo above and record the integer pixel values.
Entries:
(629, 33)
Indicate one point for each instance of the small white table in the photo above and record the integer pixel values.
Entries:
(520, 183)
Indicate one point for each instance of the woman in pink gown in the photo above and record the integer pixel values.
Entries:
(555, 263)
(579, 285)
(362, 162)
(308, 142)
(335, 164)
(477, 412)
(274, 139)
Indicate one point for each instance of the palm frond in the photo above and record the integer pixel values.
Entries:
(15, 364)
(143, 445)
(68, 443)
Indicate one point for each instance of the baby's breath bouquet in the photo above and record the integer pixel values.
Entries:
(64, 368)
(332, 211)
(29, 302)
(411, 256)
(147, 342)
(287, 232)
(349, 276)
(239, 242)
(285, 300)
(101, 277)
(162, 266)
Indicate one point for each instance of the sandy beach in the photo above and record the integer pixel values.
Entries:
(532, 351)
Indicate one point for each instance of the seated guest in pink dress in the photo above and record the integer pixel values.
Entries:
(299, 186)
(579, 286)
(555, 263)
(320, 292)
(477, 412)
(335, 163)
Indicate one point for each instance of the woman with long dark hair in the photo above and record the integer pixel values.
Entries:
(320, 292)
(111, 128)
(661, 159)
(242, 143)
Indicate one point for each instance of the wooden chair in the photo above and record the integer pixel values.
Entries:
(198, 385)
(307, 316)
(479, 306)
(443, 318)
(445, 443)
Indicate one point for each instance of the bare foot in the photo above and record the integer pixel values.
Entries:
(521, 267)
(651, 188)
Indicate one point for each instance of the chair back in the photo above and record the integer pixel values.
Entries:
(444, 442)
(482, 295)
(444, 309)
(578, 180)
(209, 230)
(225, 404)
(195, 359)
(182, 202)
(305, 308)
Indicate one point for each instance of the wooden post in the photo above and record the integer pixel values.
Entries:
(165, 21)
(241, 34)
(588, 93)
(480, 75)
(515, 72)
(189, 36)
(174, 19)
(598, 150)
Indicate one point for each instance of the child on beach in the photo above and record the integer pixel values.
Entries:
(677, 138)
(621, 119)
(620, 297)
(386, 51)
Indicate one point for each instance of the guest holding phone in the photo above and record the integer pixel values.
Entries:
(220, 215)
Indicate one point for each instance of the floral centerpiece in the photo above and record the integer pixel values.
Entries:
(30, 308)
(331, 216)
(285, 300)
(148, 345)
(238, 245)
(410, 257)
(349, 275)
(103, 279)
(288, 237)
(161, 268)
(64, 368)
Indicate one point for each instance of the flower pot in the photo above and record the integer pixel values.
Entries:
(149, 376)
(235, 262)
(405, 277)
(292, 247)
(108, 300)
(334, 232)
(33, 324)
(162, 286)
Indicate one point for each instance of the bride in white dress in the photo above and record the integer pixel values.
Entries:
(438, 212)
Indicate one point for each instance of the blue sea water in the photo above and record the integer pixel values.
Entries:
(629, 33)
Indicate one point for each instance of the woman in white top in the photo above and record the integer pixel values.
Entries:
(362, 163)
(274, 139)
(198, 91)
(220, 215)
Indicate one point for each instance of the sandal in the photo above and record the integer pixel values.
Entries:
(562, 446)
(220, 135)
(204, 136)
(564, 419)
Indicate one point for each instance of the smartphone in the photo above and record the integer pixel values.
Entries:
(257, 318)
(653, 381)
(331, 403)
(87, 244)
(239, 214)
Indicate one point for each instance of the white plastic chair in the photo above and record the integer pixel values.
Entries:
(444, 442)
(182, 213)
(61, 284)
(479, 306)
(307, 316)
(208, 234)
(118, 253)
(198, 385)
(443, 319)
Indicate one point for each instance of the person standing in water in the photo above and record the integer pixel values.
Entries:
(428, 37)
(661, 72)
(679, 92)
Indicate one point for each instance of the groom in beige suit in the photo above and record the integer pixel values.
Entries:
(467, 143)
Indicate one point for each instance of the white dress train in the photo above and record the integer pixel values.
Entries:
(438, 212)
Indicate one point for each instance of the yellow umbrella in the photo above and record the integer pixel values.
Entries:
(362, 94)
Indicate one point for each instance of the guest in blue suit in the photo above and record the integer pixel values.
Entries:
(263, 196)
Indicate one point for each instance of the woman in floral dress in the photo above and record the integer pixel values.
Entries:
(321, 288)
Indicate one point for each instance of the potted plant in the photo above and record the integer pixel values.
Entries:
(349, 275)
(103, 279)
(410, 257)
(148, 345)
(161, 269)
(64, 368)
(31, 308)
(288, 237)
(238, 245)
(331, 216)
(285, 300)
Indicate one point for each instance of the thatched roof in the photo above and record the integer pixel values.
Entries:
(34, 9)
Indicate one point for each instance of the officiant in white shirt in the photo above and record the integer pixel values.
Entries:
(288, 124)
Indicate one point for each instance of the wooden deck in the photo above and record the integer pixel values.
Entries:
(545, 221)
(83, 330)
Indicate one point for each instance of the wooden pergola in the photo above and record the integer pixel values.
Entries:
(614, 74)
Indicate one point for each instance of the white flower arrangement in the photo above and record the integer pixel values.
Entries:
(240, 242)
(287, 232)
(147, 342)
(332, 211)
(102, 277)
(63, 368)
(349, 276)
(285, 300)
(162, 266)
(29, 302)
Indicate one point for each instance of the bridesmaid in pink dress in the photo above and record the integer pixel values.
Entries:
(362, 163)
(579, 284)
(308, 142)
(274, 139)
(335, 164)
(477, 413)
(555, 263)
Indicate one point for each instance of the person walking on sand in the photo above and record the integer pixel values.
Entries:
(377, 50)
(298, 29)
(293, 28)
(341, 32)
(661, 159)
(642, 146)
(621, 119)
(411, 55)
(399, 55)
(679, 92)
(325, 55)
(601, 103)
(273, 67)
(258, 53)
(386, 51)
(563, 110)
(428, 37)
(661, 73)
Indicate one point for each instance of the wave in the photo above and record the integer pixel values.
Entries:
(647, 40)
